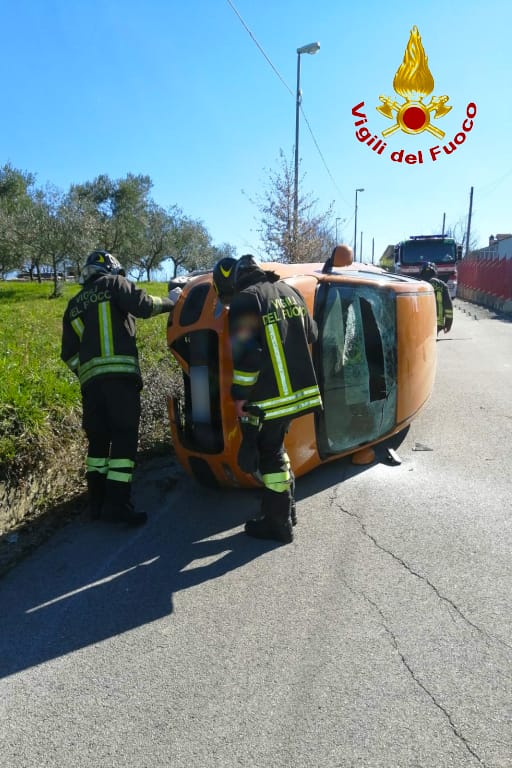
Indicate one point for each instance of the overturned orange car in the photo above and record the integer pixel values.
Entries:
(375, 359)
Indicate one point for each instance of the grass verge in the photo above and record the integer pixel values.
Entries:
(40, 404)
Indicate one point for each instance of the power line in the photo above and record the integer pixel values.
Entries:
(260, 48)
(492, 185)
(292, 94)
(321, 155)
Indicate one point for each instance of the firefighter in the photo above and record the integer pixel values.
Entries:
(273, 382)
(98, 344)
(444, 305)
(223, 279)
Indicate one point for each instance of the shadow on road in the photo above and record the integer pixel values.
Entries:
(93, 581)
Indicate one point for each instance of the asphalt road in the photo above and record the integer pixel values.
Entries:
(381, 638)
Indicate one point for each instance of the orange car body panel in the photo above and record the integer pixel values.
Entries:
(414, 350)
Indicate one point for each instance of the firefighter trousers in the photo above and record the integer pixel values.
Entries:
(111, 418)
(274, 466)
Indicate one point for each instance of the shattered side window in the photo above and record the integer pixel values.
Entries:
(356, 363)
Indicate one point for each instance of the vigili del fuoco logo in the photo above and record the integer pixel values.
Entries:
(414, 83)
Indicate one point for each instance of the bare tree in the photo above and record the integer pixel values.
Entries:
(459, 233)
(314, 239)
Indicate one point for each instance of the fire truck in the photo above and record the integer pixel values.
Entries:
(411, 255)
(375, 359)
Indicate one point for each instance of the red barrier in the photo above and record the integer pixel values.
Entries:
(489, 275)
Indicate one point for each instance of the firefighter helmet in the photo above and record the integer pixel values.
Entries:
(223, 278)
(429, 271)
(246, 267)
(101, 263)
(248, 272)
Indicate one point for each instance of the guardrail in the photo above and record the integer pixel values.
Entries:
(486, 281)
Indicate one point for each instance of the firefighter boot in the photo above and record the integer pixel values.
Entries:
(95, 493)
(118, 507)
(275, 523)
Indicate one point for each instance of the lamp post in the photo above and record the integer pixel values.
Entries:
(338, 218)
(310, 48)
(355, 223)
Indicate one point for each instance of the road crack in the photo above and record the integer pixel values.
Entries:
(455, 730)
(421, 577)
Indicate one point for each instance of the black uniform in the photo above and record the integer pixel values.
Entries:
(270, 330)
(98, 344)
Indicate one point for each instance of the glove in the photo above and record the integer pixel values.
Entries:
(174, 294)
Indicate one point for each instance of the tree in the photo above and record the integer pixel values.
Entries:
(314, 231)
(221, 252)
(119, 210)
(45, 227)
(158, 227)
(459, 233)
(190, 244)
(15, 200)
(52, 233)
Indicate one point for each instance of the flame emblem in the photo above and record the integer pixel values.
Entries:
(414, 82)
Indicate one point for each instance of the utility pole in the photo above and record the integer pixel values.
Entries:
(361, 247)
(469, 220)
(311, 49)
(359, 189)
(373, 250)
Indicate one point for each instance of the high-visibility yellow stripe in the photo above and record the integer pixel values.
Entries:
(245, 378)
(73, 362)
(278, 359)
(277, 481)
(105, 324)
(120, 477)
(121, 463)
(296, 408)
(157, 305)
(439, 300)
(98, 366)
(97, 465)
(78, 327)
(298, 395)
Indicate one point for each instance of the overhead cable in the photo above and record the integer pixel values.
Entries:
(289, 90)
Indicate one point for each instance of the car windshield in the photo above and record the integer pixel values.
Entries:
(437, 251)
(356, 363)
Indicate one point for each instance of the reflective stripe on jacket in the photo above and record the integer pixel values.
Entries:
(270, 330)
(98, 328)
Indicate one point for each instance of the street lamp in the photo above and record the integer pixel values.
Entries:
(355, 223)
(311, 48)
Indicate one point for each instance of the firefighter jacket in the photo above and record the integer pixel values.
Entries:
(444, 305)
(98, 328)
(270, 329)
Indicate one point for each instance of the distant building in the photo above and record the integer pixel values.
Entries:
(500, 246)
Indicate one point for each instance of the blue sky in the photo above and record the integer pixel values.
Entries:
(179, 91)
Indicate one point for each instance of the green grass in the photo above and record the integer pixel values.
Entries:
(38, 394)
